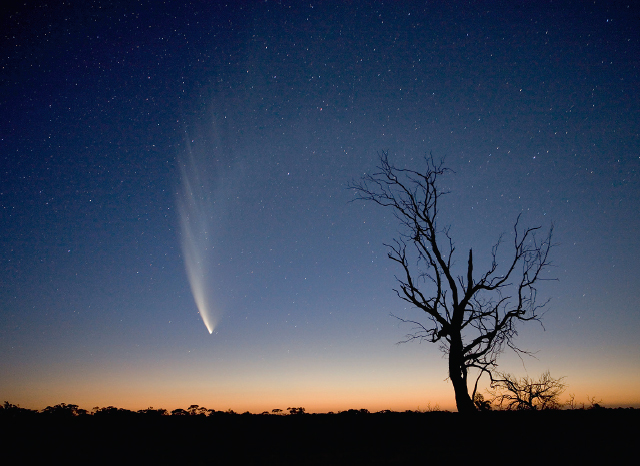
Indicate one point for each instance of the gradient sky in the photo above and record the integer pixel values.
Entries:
(270, 109)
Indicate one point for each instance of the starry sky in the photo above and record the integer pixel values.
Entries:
(140, 137)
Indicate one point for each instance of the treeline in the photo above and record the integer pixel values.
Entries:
(64, 410)
(68, 434)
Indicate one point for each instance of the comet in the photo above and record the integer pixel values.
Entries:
(195, 210)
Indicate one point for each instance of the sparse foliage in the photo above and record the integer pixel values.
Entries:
(593, 403)
(481, 403)
(64, 410)
(572, 404)
(473, 316)
(296, 410)
(527, 394)
(196, 410)
(10, 410)
(430, 409)
(150, 411)
(355, 411)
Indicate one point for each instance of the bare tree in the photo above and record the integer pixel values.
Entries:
(472, 316)
(526, 394)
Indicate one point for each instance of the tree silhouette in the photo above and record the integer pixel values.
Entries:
(196, 410)
(9, 410)
(473, 316)
(299, 410)
(112, 412)
(64, 410)
(151, 412)
(526, 394)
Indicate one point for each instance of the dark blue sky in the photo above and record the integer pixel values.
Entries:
(280, 104)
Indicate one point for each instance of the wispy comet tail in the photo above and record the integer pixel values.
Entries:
(194, 209)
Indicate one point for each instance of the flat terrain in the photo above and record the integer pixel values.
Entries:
(560, 437)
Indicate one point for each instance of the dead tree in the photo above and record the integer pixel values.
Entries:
(526, 394)
(473, 316)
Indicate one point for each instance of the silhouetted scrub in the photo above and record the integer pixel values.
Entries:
(11, 411)
(64, 410)
(526, 394)
(352, 437)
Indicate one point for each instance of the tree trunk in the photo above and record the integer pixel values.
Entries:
(458, 376)
(464, 403)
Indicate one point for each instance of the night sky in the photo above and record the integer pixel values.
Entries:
(144, 143)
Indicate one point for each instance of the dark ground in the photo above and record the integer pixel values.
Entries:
(560, 437)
